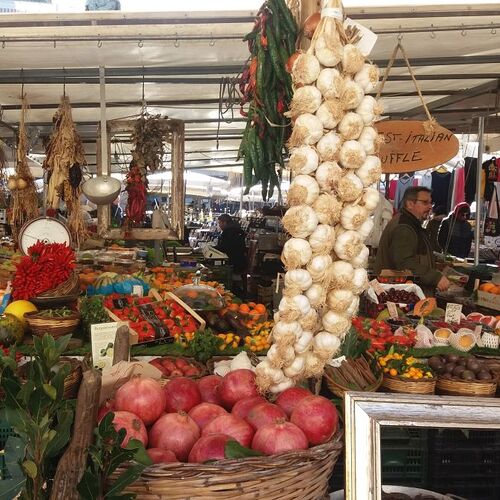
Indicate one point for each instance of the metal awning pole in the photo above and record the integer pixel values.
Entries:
(480, 151)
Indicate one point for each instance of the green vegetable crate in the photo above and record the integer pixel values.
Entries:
(5, 432)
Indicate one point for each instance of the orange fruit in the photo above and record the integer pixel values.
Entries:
(233, 307)
(260, 308)
(244, 309)
(251, 305)
(487, 287)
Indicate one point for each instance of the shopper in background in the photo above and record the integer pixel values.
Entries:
(405, 245)
(432, 226)
(455, 233)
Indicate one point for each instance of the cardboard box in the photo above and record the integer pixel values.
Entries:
(489, 300)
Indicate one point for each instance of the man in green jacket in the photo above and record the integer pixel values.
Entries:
(404, 244)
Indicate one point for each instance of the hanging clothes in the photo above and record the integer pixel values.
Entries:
(404, 182)
(381, 217)
(491, 171)
(393, 184)
(458, 188)
(440, 187)
(470, 179)
(426, 180)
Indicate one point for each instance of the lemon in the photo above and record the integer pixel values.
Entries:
(19, 308)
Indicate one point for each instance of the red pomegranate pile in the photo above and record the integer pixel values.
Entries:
(192, 421)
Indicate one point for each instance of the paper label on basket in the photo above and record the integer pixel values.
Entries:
(377, 287)
(137, 291)
(453, 313)
(102, 337)
(477, 331)
(393, 310)
(368, 38)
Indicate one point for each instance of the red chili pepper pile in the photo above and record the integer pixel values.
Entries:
(46, 266)
(137, 189)
(380, 335)
(169, 312)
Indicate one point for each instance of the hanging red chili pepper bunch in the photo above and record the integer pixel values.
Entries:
(136, 187)
(267, 88)
(46, 266)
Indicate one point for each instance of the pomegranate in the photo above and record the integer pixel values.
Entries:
(105, 408)
(289, 398)
(209, 448)
(279, 438)
(143, 396)
(209, 388)
(176, 432)
(133, 425)
(243, 406)
(233, 426)
(182, 394)
(237, 385)
(204, 413)
(160, 456)
(263, 414)
(317, 417)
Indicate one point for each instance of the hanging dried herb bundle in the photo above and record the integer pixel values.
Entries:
(24, 202)
(3, 178)
(64, 161)
(148, 136)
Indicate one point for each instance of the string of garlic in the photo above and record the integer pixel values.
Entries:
(333, 163)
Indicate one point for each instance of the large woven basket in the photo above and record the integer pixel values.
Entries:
(407, 386)
(473, 388)
(301, 475)
(57, 327)
(65, 292)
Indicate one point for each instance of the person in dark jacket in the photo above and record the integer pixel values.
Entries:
(455, 233)
(432, 226)
(405, 245)
(232, 243)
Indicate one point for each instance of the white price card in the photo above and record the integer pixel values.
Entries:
(453, 313)
(477, 331)
(393, 310)
(102, 337)
(377, 287)
(137, 291)
(368, 38)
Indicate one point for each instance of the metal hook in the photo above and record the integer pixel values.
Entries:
(176, 41)
(400, 35)
(433, 35)
(212, 41)
(140, 44)
(463, 32)
(99, 43)
(55, 44)
(493, 29)
(3, 44)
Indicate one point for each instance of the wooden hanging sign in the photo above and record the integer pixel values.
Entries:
(406, 147)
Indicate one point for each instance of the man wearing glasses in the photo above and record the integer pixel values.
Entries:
(404, 243)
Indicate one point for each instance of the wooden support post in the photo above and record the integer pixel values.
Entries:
(103, 154)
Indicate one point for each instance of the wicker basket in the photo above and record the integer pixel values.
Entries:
(57, 327)
(339, 390)
(473, 388)
(408, 386)
(63, 293)
(203, 369)
(72, 381)
(301, 475)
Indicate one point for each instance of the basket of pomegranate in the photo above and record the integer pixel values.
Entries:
(217, 437)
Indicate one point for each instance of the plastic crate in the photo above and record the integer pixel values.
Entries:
(451, 439)
(5, 433)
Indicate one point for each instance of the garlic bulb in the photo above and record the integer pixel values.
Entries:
(325, 345)
(282, 386)
(322, 239)
(308, 130)
(347, 245)
(297, 279)
(329, 146)
(330, 83)
(361, 260)
(370, 199)
(318, 268)
(352, 216)
(304, 342)
(300, 221)
(309, 321)
(359, 280)
(370, 171)
(366, 228)
(335, 323)
(314, 365)
(303, 190)
(349, 187)
(327, 209)
(296, 253)
(352, 155)
(339, 300)
(330, 113)
(316, 295)
(305, 69)
(280, 356)
(352, 59)
(327, 176)
(306, 99)
(367, 77)
(351, 126)
(296, 368)
(293, 308)
(286, 332)
(342, 273)
(328, 52)
(368, 139)
(303, 160)
(369, 110)
(267, 374)
(352, 94)
(352, 310)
